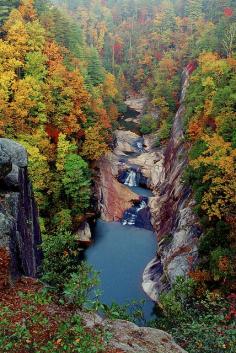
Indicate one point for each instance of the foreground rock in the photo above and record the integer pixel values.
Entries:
(19, 228)
(129, 338)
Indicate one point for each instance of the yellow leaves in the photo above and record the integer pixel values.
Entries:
(17, 34)
(210, 62)
(94, 146)
(64, 147)
(208, 82)
(220, 162)
(8, 62)
(37, 162)
(109, 86)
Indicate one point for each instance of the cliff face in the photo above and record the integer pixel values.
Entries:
(172, 210)
(113, 197)
(19, 228)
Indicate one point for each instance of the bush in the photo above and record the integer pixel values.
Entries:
(199, 324)
(148, 124)
(41, 326)
(165, 129)
(61, 258)
(79, 286)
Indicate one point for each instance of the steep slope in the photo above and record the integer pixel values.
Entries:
(173, 219)
(19, 228)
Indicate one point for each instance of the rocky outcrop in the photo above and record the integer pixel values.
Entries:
(113, 197)
(19, 228)
(126, 337)
(83, 234)
(136, 104)
(172, 210)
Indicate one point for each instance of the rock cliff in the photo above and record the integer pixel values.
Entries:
(19, 228)
(172, 211)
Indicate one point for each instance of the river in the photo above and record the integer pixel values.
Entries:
(121, 252)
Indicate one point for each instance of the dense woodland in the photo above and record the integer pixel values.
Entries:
(66, 67)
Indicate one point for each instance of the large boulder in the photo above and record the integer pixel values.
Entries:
(83, 234)
(126, 337)
(19, 228)
(5, 163)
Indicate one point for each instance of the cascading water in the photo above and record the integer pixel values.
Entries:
(138, 215)
(131, 179)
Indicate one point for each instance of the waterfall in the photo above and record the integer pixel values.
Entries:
(131, 179)
(138, 215)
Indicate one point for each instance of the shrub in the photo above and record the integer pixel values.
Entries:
(148, 124)
(199, 324)
(61, 258)
(79, 286)
(165, 129)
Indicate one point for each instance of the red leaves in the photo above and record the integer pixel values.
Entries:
(228, 11)
(191, 67)
(232, 310)
(52, 132)
(4, 267)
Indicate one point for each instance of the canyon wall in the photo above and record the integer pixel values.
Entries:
(172, 212)
(20, 237)
(171, 204)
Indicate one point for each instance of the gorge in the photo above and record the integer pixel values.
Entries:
(166, 210)
(117, 155)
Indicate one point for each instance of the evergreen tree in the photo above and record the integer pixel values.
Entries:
(95, 70)
(194, 9)
(5, 8)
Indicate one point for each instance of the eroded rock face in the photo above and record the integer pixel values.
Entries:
(172, 210)
(113, 198)
(19, 229)
(129, 338)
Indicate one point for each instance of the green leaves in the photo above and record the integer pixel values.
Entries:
(76, 182)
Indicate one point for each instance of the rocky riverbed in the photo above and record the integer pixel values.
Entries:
(170, 205)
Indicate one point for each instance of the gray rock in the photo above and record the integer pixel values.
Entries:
(15, 151)
(19, 227)
(12, 179)
(129, 338)
(5, 163)
(5, 229)
(83, 234)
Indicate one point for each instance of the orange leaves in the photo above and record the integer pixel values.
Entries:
(27, 10)
(224, 264)
(200, 276)
(54, 55)
(109, 86)
(210, 62)
(168, 65)
(195, 129)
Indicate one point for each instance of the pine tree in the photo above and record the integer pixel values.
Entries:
(5, 7)
(95, 70)
(194, 9)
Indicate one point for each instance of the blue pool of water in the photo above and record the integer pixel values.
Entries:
(120, 254)
(141, 191)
